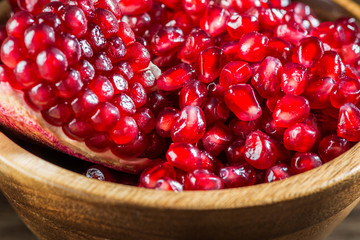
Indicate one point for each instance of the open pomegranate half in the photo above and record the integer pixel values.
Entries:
(194, 95)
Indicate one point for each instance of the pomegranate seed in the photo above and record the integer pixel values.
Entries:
(70, 85)
(105, 117)
(302, 162)
(197, 41)
(51, 64)
(308, 52)
(18, 23)
(145, 120)
(26, 75)
(103, 88)
(280, 48)
(235, 152)
(184, 156)
(151, 175)
(269, 125)
(156, 102)
(235, 72)
(168, 184)
(165, 121)
(214, 20)
(210, 63)
(132, 149)
(350, 27)
(75, 21)
(238, 175)
(12, 52)
(253, 46)
(58, 114)
(119, 83)
(156, 147)
(260, 150)
(137, 56)
(38, 37)
(182, 20)
(87, 71)
(54, 7)
(85, 104)
(210, 163)
(195, 7)
(189, 126)
(216, 139)
(202, 179)
(107, 22)
(299, 137)
(167, 40)
(132, 7)
(126, 33)
(241, 100)
(138, 23)
(238, 24)
(98, 142)
(290, 110)
(70, 46)
(291, 31)
(346, 90)
(86, 50)
(330, 65)
(41, 96)
(332, 146)
(138, 94)
(193, 93)
(349, 122)
(124, 69)
(294, 78)
(332, 34)
(350, 53)
(77, 129)
(243, 128)
(86, 5)
(318, 92)
(102, 62)
(116, 49)
(101, 173)
(175, 77)
(278, 172)
(267, 77)
(215, 110)
(125, 130)
(96, 37)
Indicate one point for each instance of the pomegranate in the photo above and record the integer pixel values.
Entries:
(182, 95)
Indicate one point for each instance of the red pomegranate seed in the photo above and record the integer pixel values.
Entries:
(167, 40)
(270, 127)
(102, 62)
(210, 163)
(77, 129)
(105, 117)
(41, 96)
(350, 53)
(235, 152)
(175, 77)
(290, 110)
(70, 85)
(18, 23)
(349, 122)
(308, 52)
(235, 72)
(260, 150)
(151, 175)
(107, 22)
(346, 90)
(184, 156)
(241, 100)
(332, 146)
(195, 7)
(299, 137)
(98, 142)
(38, 37)
(156, 102)
(238, 175)
(165, 121)
(138, 94)
(132, 7)
(85, 104)
(70, 46)
(103, 88)
(253, 46)
(124, 69)
(243, 128)
(193, 93)
(189, 126)
(350, 27)
(51, 64)
(54, 7)
(214, 20)
(132, 149)
(267, 77)
(332, 34)
(86, 5)
(217, 139)
(280, 48)
(58, 114)
(125, 104)
(216, 90)
(302, 162)
(156, 147)
(145, 120)
(210, 63)
(182, 20)
(12, 52)
(318, 92)
(278, 172)
(26, 75)
(294, 78)
(126, 33)
(137, 56)
(101, 173)
(202, 179)
(215, 109)
(86, 49)
(138, 23)
(238, 24)
(75, 21)
(195, 42)
(116, 49)
(168, 184)
(125, 130)
(290, 31)
(330, 65)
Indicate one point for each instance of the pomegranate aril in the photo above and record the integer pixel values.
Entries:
(235, 152)
(345, 90)
(124, 69)
(156, 147)
(168, 184)
(210, 63)
(242, 128)
(278, 172)
(126, 33)
(184, 156)
(103, 88)
(351, 28)
(210, 163)
(238, 24)
(125, 104)
(86, 70)
(38, 37)
(175, 77)
(260, 150)
(214, 20)
(291, 31)
(253, 46)
(332, 34)
(98, 142)
(85, 104)
(182, 20)
(241, 100)
(308, 52)
(70, 85)
(107, 22)
(25, 74)
(156, 102)
(151, 175)
(318, 92)
(58, 114)
(302, 162)
(167, 40)
(350, 53)
(195, 7)
(138, 23)
(132, 149)
(54, 7)
(290, 110)
(102, 62)
(125, 130)
(41, 96)
(238, 175)
(235, 72)
(330, 65)
(86, 5)
(216, 139)
(105, 117)
(299, 137)
(137, 56)
(119, 83)
(135, 7)
(101, 173)
(12, 52)
(332, 146)
(138, 94)
(202, 179)
(51, 64)
(165, 121)
(215, 110)
(116, 49)
(145, 120)
(294, 78)
(77, 129)
(349, 122)
(267, 77)
(189, 126)
(75, 21)
(86, 50)
(95, 37)
(280, 48)
(193, 93)
(70, 46)
(269, 125)
(18, 23)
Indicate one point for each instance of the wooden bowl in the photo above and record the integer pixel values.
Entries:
(56, 203)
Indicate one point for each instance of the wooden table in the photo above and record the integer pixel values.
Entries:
(12, 228)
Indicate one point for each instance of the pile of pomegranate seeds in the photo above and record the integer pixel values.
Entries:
(251, 91)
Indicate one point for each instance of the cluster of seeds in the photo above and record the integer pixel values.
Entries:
(251, 91)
